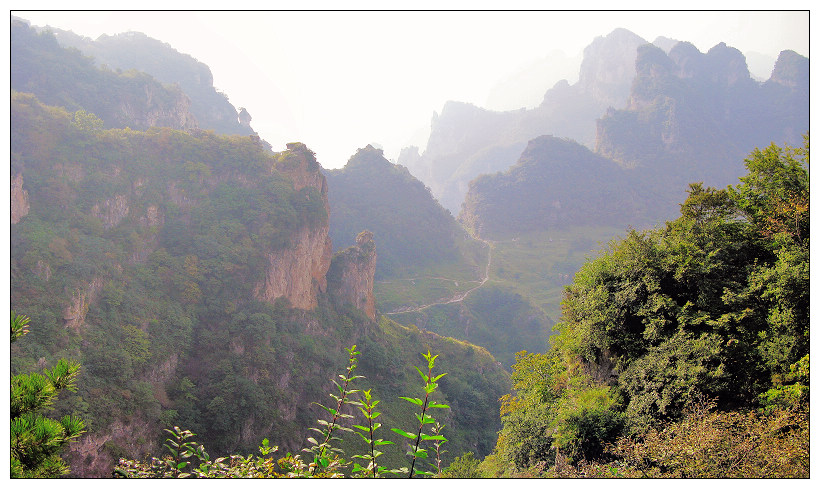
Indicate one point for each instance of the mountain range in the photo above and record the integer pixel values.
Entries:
(205, 280)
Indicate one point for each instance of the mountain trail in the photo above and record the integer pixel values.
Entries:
(457, 297)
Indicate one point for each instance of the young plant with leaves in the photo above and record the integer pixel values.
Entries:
(181, 447)
(368, 434)
(322, 450)
(430, 386)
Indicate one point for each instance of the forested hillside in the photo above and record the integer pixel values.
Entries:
(136, 51)
(413, 231)
(67, 78)
(156, 260)
(683, 350)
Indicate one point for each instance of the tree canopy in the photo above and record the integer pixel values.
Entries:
(711, 308)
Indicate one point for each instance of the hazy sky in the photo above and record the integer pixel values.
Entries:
(338, 81)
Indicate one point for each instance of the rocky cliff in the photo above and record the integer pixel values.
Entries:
(467, 141)
(19, 199)
(351, 274)
(153, 107)
(299, 272)
(696, 115)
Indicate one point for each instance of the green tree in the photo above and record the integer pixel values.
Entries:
(86, 121)
(713, 305)
(36, 441)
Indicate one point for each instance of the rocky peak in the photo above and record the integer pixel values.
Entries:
(790, 70)
(727, 66)
(656, 73)
(351, 275)
(607, 70)
(367, 157)
(299, 271)
(244, 117)
(665, 43)
(688, 59)
(299, 163)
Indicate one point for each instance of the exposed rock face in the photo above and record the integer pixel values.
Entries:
(299, 272)
(149, 111)
(608, 67)
(350, 279)
(112, 211)
(790, 70)
(89, 458)
(75, 311)
(19, 199)
(700, 113)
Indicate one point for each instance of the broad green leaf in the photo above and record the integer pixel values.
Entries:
(414, 400)
(426, 419)
(436, 405)
(432, 437)
(405, 434)
(423, 375)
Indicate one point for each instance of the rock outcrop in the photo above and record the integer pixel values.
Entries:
(150, 108)
(299, 271)
(74, 312)
(350, 278)
(111, 211)
(19, 199)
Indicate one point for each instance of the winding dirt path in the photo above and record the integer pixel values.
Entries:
(457, 297)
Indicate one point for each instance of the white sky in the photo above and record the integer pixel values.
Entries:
(338, 81)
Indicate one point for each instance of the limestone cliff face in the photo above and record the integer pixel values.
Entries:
(350, 279)
(608, 67)
(19, 199)
(299, 271)
(151, 108)
(74, 312)
(111, 211)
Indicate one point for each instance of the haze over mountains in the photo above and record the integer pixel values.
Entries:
(207, 280)
(467, 141)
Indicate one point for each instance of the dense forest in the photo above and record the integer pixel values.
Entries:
(682, 351)
(187, 302)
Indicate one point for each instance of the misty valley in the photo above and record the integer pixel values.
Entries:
(611, 284)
